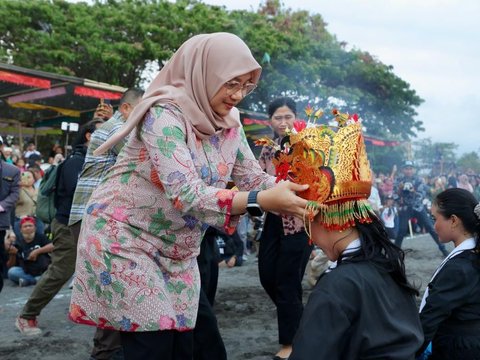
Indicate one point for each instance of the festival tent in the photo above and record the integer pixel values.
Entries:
(34, 102)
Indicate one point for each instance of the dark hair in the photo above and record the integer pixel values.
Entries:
(87, 128)
(377, 248)
(461, 203)
(131, 95)
(34, 167)
(29, 170)
(279, 102)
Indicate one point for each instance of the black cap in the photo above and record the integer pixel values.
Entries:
(408, 163)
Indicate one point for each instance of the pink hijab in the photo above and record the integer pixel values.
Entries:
(193, 76)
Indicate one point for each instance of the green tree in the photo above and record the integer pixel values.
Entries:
(308, 63)
(115, 40)
(110, 41)
(437, 156)
(469, 161)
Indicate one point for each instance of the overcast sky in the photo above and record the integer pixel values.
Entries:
(432, 44)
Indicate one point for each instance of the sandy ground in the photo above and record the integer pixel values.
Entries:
(245, 314)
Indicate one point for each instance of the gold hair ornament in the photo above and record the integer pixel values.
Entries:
(333, 161)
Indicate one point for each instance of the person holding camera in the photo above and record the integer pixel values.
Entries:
(28, 255)
(411, 192)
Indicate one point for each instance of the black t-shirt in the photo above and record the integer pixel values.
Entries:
(38, 266)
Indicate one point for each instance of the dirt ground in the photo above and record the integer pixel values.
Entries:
(245, 314)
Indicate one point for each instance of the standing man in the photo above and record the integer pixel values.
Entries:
(9, 191)
(106, 343)
(411, 192)
(65, 245)
(96, 167)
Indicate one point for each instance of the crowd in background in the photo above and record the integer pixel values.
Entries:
(384, 199)
(385, 194)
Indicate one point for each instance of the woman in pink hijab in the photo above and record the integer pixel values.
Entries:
(136, 267)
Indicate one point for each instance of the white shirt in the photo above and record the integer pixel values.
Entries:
(352, 247)
(389, 220)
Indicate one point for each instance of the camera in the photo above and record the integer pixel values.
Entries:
(26, 253)
(408, 186)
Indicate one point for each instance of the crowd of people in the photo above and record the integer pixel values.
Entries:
(146, 214)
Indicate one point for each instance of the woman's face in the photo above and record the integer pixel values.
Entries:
(27, 178)
(282, 119)
(225, 99)
(443, 226)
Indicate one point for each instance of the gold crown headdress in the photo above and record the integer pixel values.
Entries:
(333, 162)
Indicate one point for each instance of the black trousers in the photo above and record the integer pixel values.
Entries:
(106, 343)
(207, 341)
(207, 262)
(423, 219)
(157, 345)
(281, 263)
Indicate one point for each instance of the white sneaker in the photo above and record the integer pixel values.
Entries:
(27, 326)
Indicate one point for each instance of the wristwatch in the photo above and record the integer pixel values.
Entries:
(253, 208)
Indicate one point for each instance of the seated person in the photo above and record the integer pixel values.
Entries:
(230, 248)
(28, 254)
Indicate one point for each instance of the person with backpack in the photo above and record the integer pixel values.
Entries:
(65, 247)
(46, 210)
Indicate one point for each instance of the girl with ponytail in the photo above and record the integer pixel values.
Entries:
(450, 308)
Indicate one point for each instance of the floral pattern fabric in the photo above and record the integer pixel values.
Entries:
(136, 262)
(291, 224)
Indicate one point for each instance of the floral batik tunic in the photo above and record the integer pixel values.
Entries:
(291, 224)
(136, 265)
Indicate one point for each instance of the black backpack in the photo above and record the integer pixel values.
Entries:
(46, 198)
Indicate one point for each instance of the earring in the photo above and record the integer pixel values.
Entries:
(311, 210)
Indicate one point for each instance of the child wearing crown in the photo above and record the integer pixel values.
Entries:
(362, 306)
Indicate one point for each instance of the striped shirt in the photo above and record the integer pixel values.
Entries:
(96, 167)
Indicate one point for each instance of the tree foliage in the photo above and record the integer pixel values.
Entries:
(438, 156)
(113, 41)
(469, 161)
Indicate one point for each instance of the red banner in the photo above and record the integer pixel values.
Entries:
(376, 142)
(24, 80)
(95, 93)
(248, 121)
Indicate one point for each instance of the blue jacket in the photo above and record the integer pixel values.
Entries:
(9, 190)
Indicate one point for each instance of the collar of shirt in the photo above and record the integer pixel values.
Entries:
(468, 244)
(351, 248)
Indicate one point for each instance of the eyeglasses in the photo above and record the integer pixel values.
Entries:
(234, 86)
(285, 117)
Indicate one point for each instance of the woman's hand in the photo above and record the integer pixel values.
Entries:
(283, 199)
